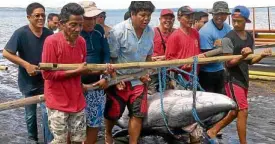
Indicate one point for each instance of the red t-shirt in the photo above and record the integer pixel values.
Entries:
(61, 93)
(181, 46)
(158, 46)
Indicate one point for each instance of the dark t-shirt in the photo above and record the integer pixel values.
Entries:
(29, 48)
(233, 44)
(98, 51)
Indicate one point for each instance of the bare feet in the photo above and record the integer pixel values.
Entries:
(108, 139)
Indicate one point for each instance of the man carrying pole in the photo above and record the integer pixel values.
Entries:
(238, 41)
(63, 89)
(211, 75)
(28, 42)
(130, 41)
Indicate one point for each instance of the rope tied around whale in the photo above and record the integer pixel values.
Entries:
(191, 84)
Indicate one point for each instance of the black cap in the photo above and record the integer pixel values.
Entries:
(185, 10)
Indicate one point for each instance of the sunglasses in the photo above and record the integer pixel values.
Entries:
(101, 16)
(37, 16)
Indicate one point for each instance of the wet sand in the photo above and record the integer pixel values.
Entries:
(261, 121)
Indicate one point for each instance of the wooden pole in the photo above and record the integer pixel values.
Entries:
(21, 102)
(40, 98)
(3, 67)
(211, 53)
(148, 65)
(218, 51)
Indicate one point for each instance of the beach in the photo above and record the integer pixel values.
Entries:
(261, 120)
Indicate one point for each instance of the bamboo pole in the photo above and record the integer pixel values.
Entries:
(178, 62)
(40, 98)
(3, 67)
(257, 77)
(211, 53)
(21, 102)
(218, 50)
(260, 73)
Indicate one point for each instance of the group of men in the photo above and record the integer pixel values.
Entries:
(75, 109)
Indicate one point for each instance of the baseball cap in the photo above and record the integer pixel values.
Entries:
(185, 10)
(90, 8)
(241, 11)
(167, 12)
(220, 7)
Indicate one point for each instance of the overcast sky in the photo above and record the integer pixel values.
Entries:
(122, 4)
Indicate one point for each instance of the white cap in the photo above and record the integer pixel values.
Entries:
(90, 8)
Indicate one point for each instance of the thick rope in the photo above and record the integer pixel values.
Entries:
(194, 82)
(162, 86)
(195, 86)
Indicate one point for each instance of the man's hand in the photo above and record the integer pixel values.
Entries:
(31, 69)
(84, 88)
(145, 78)
(246, 51)
(158, 58)
(102, 84)
(110, 70)
(201, 56)
(266, 52)
(121, 85)
(82, 68)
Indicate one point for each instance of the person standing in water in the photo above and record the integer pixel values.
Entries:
(28, 42)
(130, 41)
(98, 52)
(63, 89)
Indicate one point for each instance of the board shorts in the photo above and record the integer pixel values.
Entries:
(212, 81)
(95, 104)
(61, 123)
(135, 98)
(239, 94)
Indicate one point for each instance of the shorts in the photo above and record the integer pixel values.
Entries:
(94, 111)
(134, 97)
(239, 95)
(212, 81)
(61, 123)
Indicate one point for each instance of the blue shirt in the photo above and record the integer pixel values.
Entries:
(29, 48)
(209, 33)
(126, 47)
(98, 51)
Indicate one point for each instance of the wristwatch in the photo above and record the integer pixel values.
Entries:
(107, 77)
